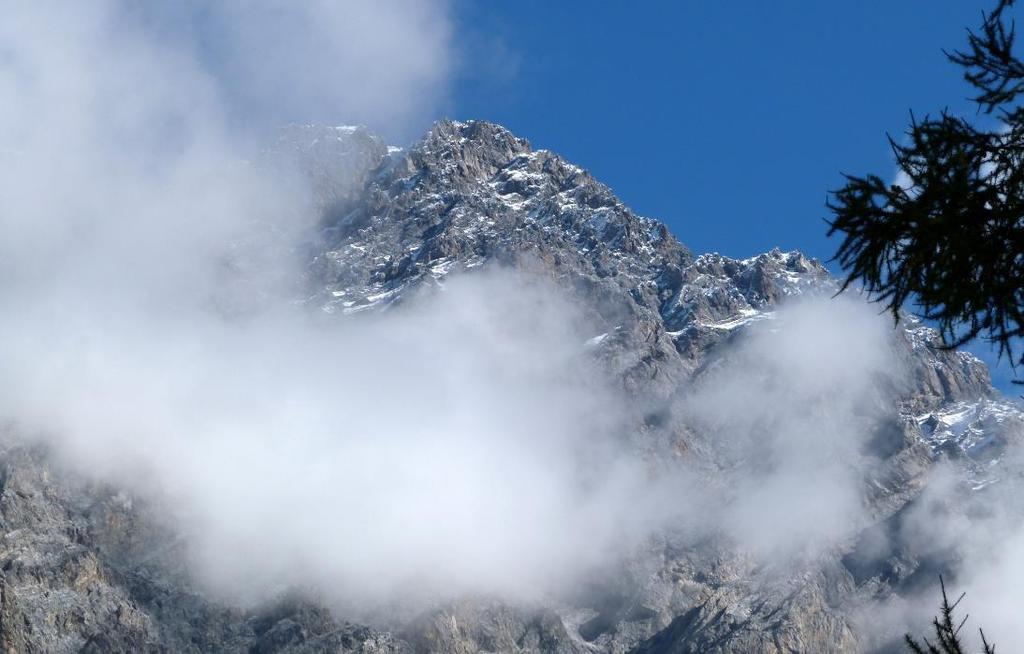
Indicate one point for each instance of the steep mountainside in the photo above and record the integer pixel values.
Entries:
(87, 568)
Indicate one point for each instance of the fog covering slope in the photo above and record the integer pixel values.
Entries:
(492, 409)
(260, 392)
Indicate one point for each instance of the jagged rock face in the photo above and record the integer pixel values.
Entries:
(85, 568)
(473, 192)
(942, 375)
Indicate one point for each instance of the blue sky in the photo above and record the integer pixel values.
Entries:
(729, 121)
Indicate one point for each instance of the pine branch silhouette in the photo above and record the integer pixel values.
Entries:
(947, 631)
(948, 236)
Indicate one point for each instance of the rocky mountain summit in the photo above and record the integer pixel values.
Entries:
(88, 568)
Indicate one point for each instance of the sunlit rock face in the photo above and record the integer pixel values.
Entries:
(87, 567)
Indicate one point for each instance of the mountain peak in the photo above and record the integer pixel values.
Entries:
(472, 192)
(468, 150)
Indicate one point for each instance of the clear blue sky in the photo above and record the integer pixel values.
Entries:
(729, 121)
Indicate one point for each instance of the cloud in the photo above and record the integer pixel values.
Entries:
(384, 64)
(787, 412)
(454, 446)
(972, 536)
(154, 335)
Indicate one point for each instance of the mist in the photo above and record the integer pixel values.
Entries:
(384, 64)
(152, 270)
(974, 537)
(439, 448)
(787, 412)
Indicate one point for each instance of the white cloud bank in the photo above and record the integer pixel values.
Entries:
(147, 274)
(386, 64)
